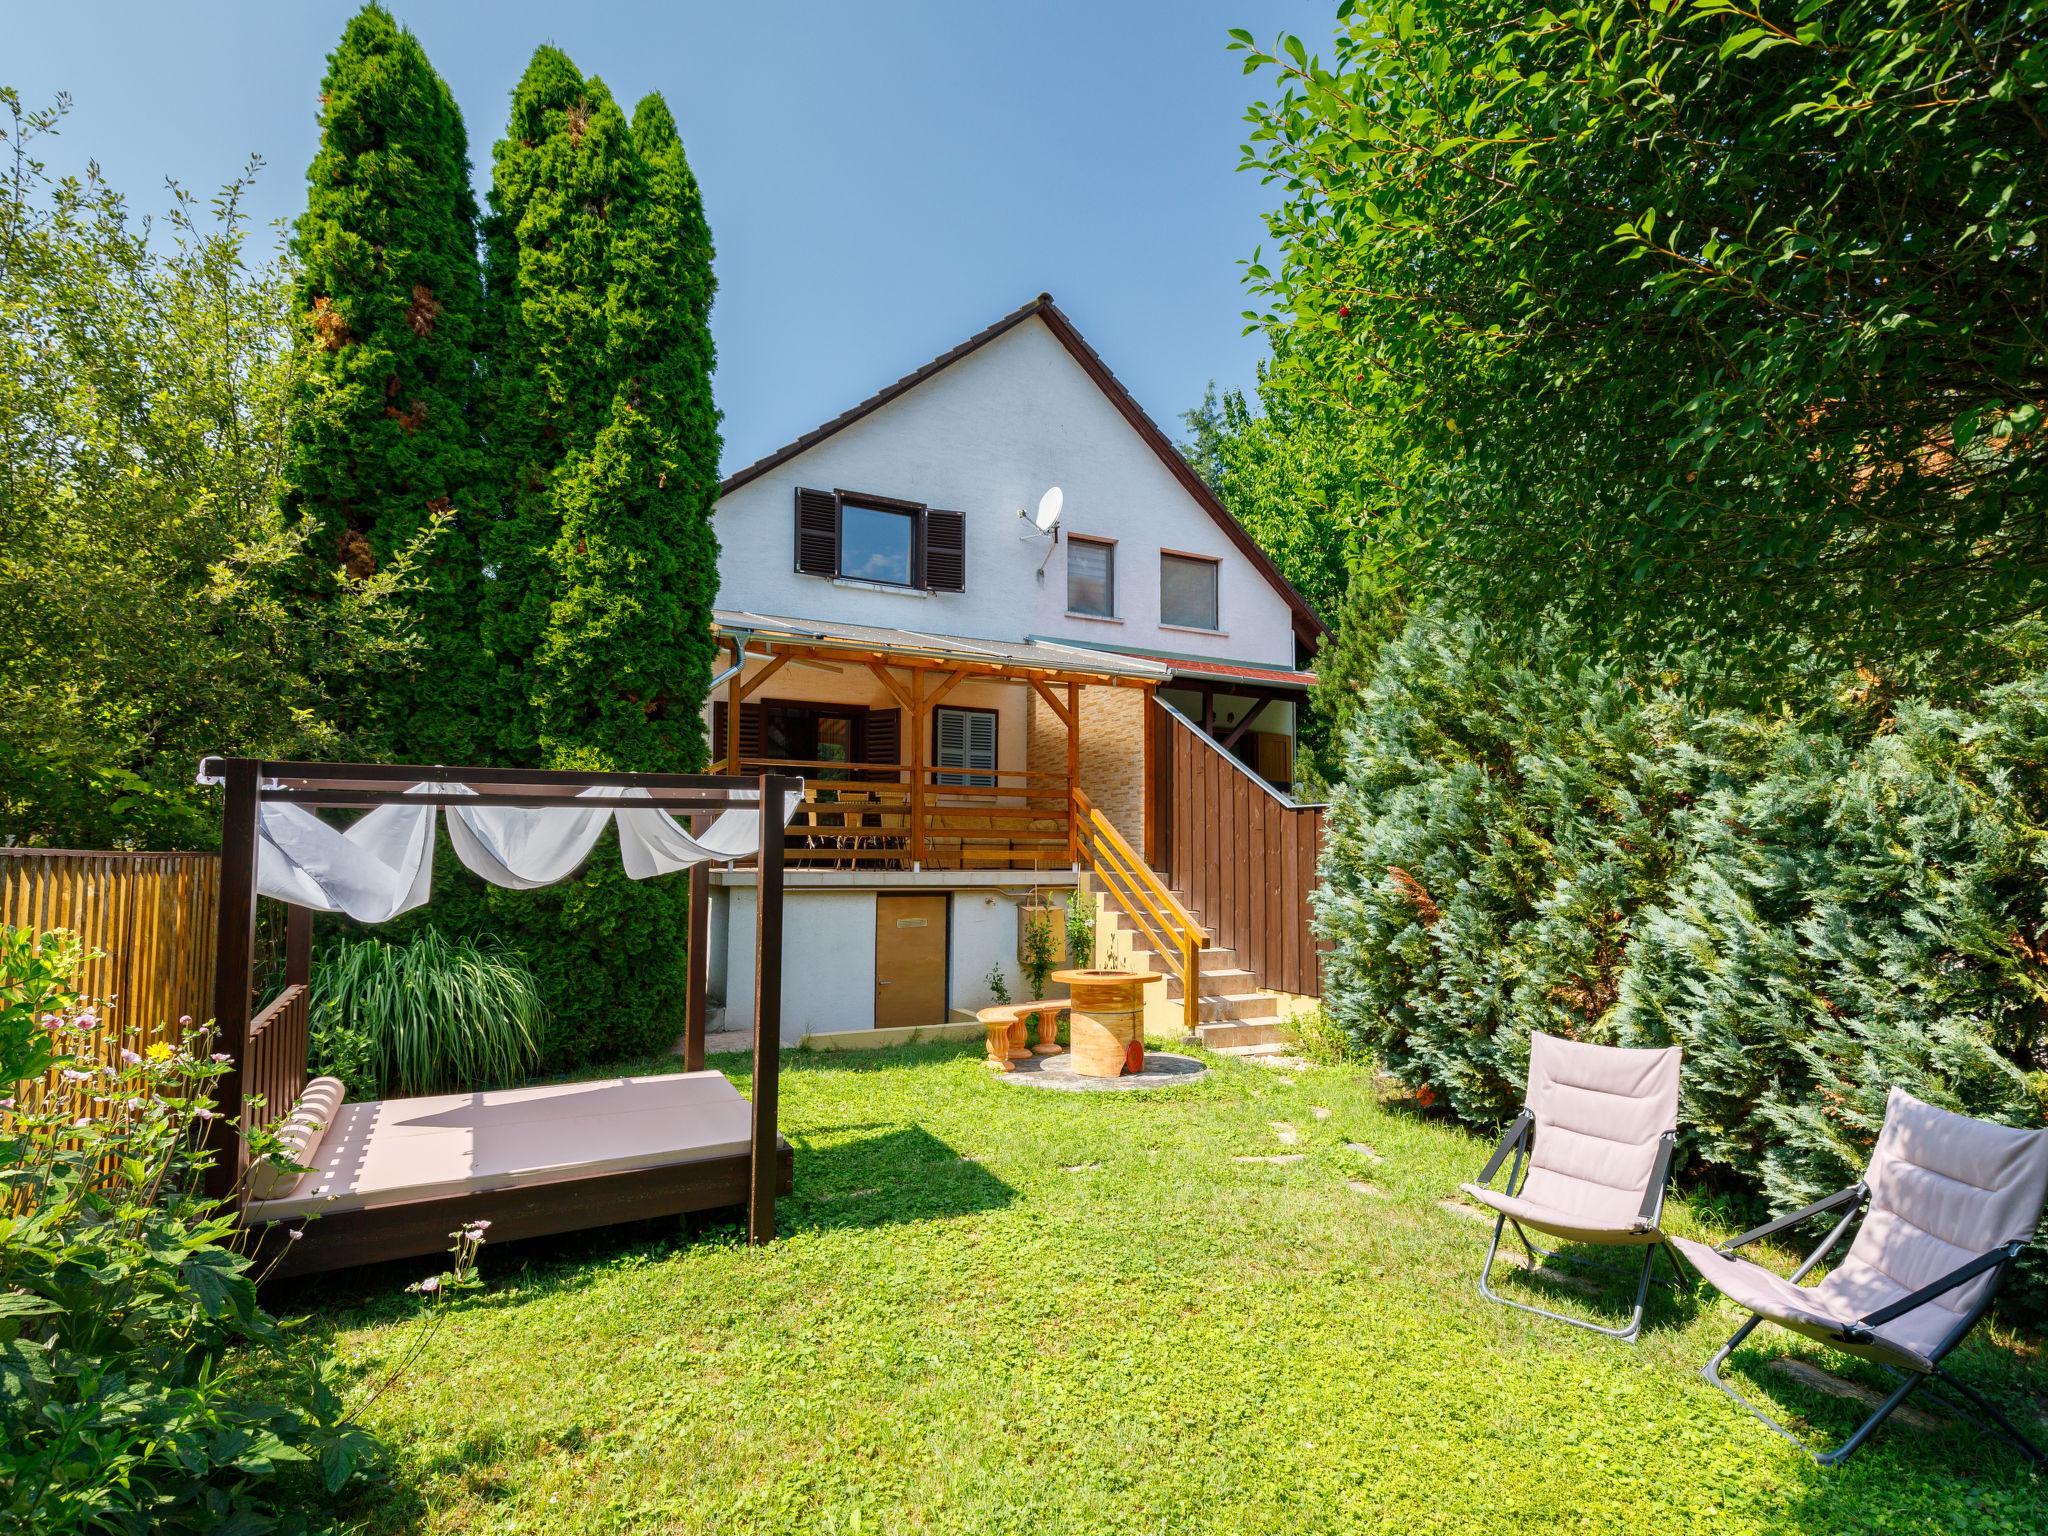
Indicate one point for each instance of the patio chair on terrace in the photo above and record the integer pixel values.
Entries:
(1948, 1203)
(1597, 1133)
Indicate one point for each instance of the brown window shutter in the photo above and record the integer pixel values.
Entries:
(882, 737)
(750, 731)
(817, 534)
(945, 551)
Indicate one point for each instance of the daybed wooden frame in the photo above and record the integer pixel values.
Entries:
(268, 1049)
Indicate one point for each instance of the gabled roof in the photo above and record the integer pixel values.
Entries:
(1306, 623)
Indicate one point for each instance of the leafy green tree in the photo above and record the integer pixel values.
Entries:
(1321, 491)
(387, 292)
(602, 565)
(1701, 319)
(146, 378)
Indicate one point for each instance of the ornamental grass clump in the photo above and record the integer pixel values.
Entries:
(431, 1015)
(142, 1388)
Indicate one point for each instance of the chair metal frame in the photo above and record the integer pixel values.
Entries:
(1998, 1262)
(1518, 1141)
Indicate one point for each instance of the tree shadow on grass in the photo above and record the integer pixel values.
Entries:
(876, 1175)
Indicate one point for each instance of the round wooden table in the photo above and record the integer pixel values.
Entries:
(1106, 1022)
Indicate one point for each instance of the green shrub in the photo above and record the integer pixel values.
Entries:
(142, 1389)
(427, 1016)
(1815, 902)
(1080, 928)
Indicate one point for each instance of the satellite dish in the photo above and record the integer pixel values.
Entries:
(1049, 510)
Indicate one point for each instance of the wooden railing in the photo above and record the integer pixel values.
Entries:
(893, 816)
(1137, 888)
(276, 1057)
(1243, 854)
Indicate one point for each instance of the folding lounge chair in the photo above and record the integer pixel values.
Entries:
(1596, 1132)
(1950, 1203)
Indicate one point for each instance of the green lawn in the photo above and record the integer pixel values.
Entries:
(994, 1309)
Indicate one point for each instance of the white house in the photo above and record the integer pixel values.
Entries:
(969, 696)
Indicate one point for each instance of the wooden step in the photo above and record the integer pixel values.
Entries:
(1242, 1032)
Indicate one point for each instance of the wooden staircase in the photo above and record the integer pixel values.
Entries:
(1147, 926)
(1236, 1017)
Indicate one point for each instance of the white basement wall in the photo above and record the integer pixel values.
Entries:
(828, 960)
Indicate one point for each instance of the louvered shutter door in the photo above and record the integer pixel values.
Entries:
(882, 737)
(945, 551)
(964, 738)
(817, 533)
(750, 732)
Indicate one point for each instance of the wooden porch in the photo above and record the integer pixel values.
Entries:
(899, 809)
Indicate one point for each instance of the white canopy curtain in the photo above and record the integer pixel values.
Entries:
(383, 863)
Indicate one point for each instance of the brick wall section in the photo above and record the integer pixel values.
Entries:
(1112, 753)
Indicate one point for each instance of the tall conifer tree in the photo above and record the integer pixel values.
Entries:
(382, 443)
(602, 567)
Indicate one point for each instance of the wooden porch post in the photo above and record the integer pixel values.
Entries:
(767, 1013)
(233, 983)
(918, 714)
(1073, 770)
(700, 961)
(1148, 823)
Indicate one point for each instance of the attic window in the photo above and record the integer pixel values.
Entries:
(877, 544)
(1187, 591)
(892, 543)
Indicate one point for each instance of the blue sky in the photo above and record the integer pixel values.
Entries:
(883, 179)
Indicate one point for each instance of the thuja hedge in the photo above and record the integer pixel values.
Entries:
(1815, 901)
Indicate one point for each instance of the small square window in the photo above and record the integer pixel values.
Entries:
(877, 544)
(1091, 578)
(1187, 592)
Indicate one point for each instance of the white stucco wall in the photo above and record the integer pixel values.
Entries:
(828, 963)
(986, 436)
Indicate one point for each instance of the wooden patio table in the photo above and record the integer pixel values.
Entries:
(1106, 1025)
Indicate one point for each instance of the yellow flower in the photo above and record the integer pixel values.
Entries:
(161, 1051)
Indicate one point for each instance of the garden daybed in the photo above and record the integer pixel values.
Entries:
(392, 1178)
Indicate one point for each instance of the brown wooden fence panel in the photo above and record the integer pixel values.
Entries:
(1241, 855)
(152, 917)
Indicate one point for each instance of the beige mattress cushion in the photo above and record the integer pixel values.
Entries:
(299, 1136)
(387, 1151)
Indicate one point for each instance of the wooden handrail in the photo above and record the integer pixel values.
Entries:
(275, 1009)
(1171, 928)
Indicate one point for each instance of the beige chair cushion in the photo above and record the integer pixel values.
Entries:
(1944, 1189)
(1600, 1111)
(388, 1151)
(299, 1137)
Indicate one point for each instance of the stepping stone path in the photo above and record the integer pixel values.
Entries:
(1284, 1157)
(1080, 1167)
(1286, 1133)
(1460, 1208)
(1821, 1381)
(1321, 1113)
(1363, 1151)
(1360, 1187)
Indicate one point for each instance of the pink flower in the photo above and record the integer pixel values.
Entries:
(296, 1233)
(222, 1056)
(130, 1058)
(73, 1075)
(431, 1284)
(202, 1113)
(88, 1020)
(7, 1103)
(184, 1021)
